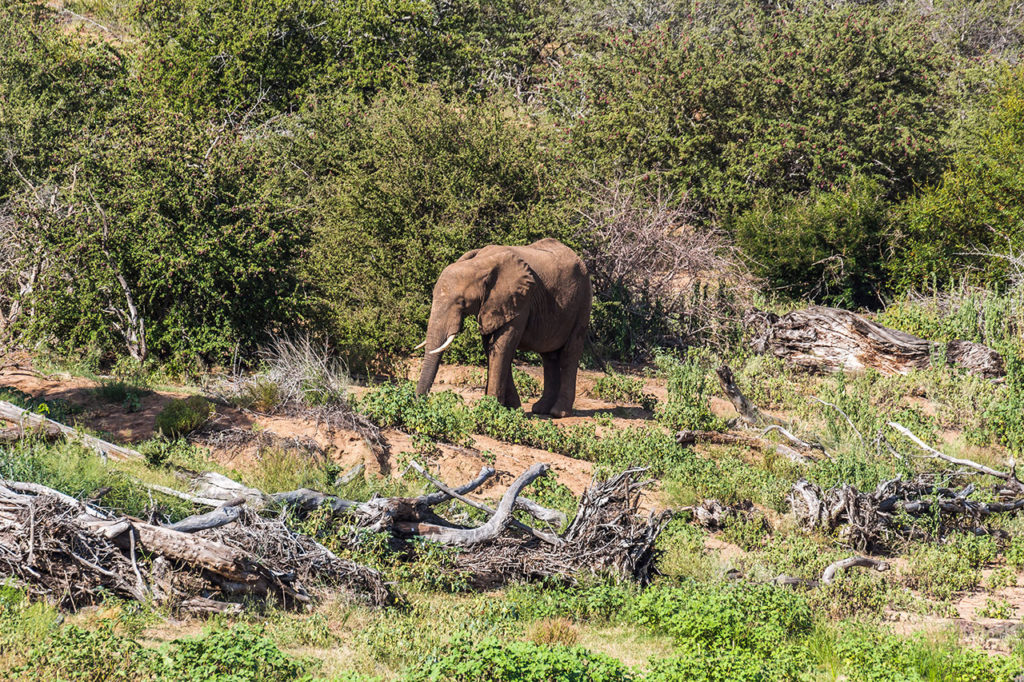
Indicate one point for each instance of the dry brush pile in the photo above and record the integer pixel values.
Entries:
(71, 552)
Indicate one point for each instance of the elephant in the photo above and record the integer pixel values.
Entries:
(534, 297)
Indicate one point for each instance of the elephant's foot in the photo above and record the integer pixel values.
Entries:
(542, 406)
(560, 411)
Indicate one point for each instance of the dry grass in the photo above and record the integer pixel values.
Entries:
(549, 631)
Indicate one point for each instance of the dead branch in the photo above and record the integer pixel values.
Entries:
(500, 518)
(607, 534)
(1009, 477)
(546, 537)
(23, 418)
(221, 516)
(747, 410)
(829, 575)
(867, 520)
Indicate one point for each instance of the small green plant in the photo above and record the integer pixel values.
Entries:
(688, 391)
(183, 416)
(127, 393)
(996, 608)
(491, 660)
(943, 570)
(1000, 578)
(76, 653)
(526, 385)
(240, 654)
(620, 388)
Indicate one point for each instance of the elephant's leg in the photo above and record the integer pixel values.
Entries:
(511, 392)
(552, 380)
(568, 365)
(499, 363)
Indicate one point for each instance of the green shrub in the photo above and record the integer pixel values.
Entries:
(490, 660)
(238, 654)
(826, 246)
(748, 98)
(689, 388)
(860, 653)
(74, 653)
(975, 208)
(1005, 416)
(267, 54)
(756, 618)
(594, 600)
(619, 388)
(181, 416)
(943, 570)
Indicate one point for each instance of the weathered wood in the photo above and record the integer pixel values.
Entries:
(1008, 477)
(829, 575)
(305, 500)
(92, 551)
(442, 495)
(747, 410)
(205, 607)
(541, 513)
(832, 340)
(497, 523)
(214, 486)
(220, 516)
(469, 539)
(541, 535)
(25, 419)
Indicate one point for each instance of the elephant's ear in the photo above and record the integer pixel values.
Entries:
(509, 287)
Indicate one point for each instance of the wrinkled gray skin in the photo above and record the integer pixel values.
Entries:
(534, 297)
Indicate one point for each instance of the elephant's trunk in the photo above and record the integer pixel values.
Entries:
(436, 336)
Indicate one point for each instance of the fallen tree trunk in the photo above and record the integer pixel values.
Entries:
(29, 420)
(833, 340)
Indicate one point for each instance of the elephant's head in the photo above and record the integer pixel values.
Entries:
(492, 283)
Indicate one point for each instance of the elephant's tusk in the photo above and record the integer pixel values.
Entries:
(421, 345)
(442, 346)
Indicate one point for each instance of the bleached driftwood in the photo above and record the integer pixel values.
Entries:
(25, 420)
(832, 340)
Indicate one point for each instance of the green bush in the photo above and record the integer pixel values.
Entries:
(182, 416)
(619, 388)
(976, 205)
(943, 570)
(238, 55)
(751, 97)
(75, 653)
(490, 660)
(825, 246)
(689, 387)
(756, 618)
(237, 654)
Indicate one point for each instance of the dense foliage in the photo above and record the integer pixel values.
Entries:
(180, 179)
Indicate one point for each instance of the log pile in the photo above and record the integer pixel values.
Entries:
(71, 552)
(832, 340)
(875, 520)
(607, 534)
